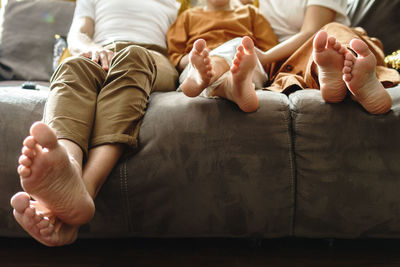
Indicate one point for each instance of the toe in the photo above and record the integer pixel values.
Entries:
(44, 135)
(20, 201)
(30, 142)
(30, 212)
(23, 171)
(347, 77)
(43, 223)
(348, 63)
(199, 45)
(346, 70)
(24, 160)
(337, 46)
(240, 50)
(349, 57)
(38, 217)
(30, 153)
(247, 43)
(319, 41)
(360, 47)
(47, 231)
(205, 53)
(331, 41)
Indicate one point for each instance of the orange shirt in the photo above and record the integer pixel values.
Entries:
(216, 28)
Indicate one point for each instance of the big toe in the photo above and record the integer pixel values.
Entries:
(200, 45)
(20, 201)
(248, 44)
(44, 135)
(360, 47)
(319, 42)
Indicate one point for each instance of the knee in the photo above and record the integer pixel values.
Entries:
(77, 66)
(78, 63)
(75, 61)
(134, 54)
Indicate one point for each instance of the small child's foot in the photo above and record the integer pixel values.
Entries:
(200, 75)
(329, 55)
(360, 77)
(39, 222)
(243, 93)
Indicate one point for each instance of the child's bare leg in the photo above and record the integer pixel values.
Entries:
(200, 75)
(329, 54)
(239, 87)
(360, 77)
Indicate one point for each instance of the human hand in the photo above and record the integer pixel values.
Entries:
(101, 56)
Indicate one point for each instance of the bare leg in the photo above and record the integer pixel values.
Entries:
(239, 86)
(205, 71)
(329, 54)
(360, 77)
(101, 161)
(47, 164)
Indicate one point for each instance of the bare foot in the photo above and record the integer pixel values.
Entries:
(53, 178)
(329, 55)
(360, 78)
(200, 76)
(243, 93)
(40, 223)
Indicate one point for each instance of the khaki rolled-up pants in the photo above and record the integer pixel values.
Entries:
(93, 107)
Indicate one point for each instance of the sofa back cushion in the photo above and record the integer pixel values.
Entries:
(29, 28)
(379, 18)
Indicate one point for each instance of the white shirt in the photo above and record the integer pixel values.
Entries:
(286, 16)
(140, 21)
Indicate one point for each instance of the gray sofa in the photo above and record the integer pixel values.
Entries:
(296, 167)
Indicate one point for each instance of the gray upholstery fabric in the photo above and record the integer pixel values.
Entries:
(18, 109)
(204, 168)
(296, 167)
(29, 27)
(347, 165)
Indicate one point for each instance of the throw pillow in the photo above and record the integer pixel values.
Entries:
(29, 27)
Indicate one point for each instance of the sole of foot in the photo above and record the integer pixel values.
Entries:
(359, 74)
(200, 74)
(329, 55)
(52, 178)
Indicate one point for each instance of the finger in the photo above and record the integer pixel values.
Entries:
(104, 61)
(95, 56)
(86, 54)
(110, 55)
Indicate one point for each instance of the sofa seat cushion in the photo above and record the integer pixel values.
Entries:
(203, 168)
(348, 169)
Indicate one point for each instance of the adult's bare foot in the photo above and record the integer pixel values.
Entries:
(242, 92)
(53, 178)
(329, 55)
(40, 223)
(359, 74)
(199, 76)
